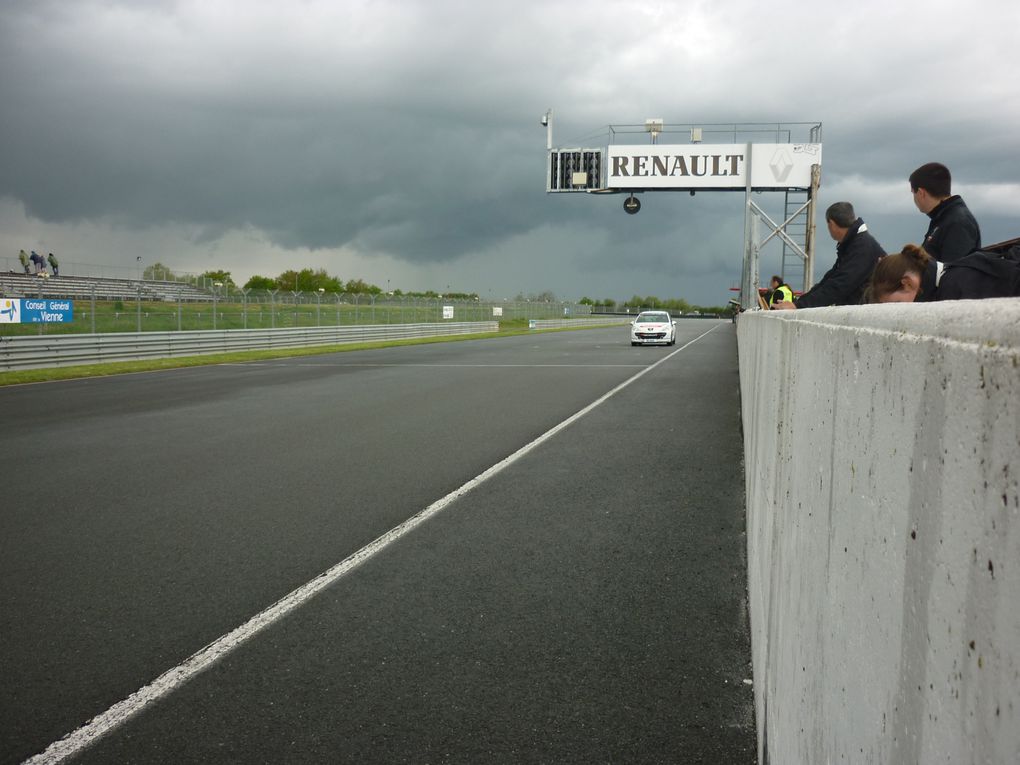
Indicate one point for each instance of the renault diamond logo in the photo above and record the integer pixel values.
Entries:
(781, 165)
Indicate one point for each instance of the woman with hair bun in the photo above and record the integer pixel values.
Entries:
(912, 275)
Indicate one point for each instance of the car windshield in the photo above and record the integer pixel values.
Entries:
(653, 318)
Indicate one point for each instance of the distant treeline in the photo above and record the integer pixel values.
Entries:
(675, 306)
(312, 280)
(305, 280)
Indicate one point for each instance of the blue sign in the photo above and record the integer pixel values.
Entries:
(36, 310)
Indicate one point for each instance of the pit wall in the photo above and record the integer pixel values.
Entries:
(882, 450)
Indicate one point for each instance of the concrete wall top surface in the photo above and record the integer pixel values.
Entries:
(995, 321)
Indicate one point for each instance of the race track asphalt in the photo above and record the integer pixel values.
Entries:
(585, 604)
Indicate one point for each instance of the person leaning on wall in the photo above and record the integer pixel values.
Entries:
(913, 276)
(857, 253)
(952, 232)
(779, 291)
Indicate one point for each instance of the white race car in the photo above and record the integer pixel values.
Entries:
(655, 327)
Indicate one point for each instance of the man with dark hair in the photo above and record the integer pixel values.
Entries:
(952, 232)
(857, 253)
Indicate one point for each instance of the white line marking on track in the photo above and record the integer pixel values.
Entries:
(174, 678)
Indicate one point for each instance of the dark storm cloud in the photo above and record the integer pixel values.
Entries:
(420, 173)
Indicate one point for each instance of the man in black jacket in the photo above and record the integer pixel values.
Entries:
(857, 253)
(953, 232)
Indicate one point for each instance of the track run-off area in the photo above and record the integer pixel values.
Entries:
(524, 549)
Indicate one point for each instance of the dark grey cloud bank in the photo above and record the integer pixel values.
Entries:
(408, 131)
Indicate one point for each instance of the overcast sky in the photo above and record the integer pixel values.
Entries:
(400, 142)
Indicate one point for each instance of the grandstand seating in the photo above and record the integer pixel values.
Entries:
(19, 285)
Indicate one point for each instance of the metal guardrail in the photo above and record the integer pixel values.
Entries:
(581, 322)
(39, 351)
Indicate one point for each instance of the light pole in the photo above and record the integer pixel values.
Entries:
(318, 306)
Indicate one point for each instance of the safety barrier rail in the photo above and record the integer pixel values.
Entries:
(33, 352)
(584, 321)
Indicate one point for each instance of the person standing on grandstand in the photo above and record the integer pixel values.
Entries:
(24, 261)
(953, 232)
(857, 254)
(54, 264)
(38, 261)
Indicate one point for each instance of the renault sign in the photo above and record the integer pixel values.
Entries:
(711, 166)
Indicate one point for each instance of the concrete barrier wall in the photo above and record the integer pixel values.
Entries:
(882, 448)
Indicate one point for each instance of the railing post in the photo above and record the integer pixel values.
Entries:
(295, 293)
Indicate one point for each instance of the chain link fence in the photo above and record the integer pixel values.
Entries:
(104, 305)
